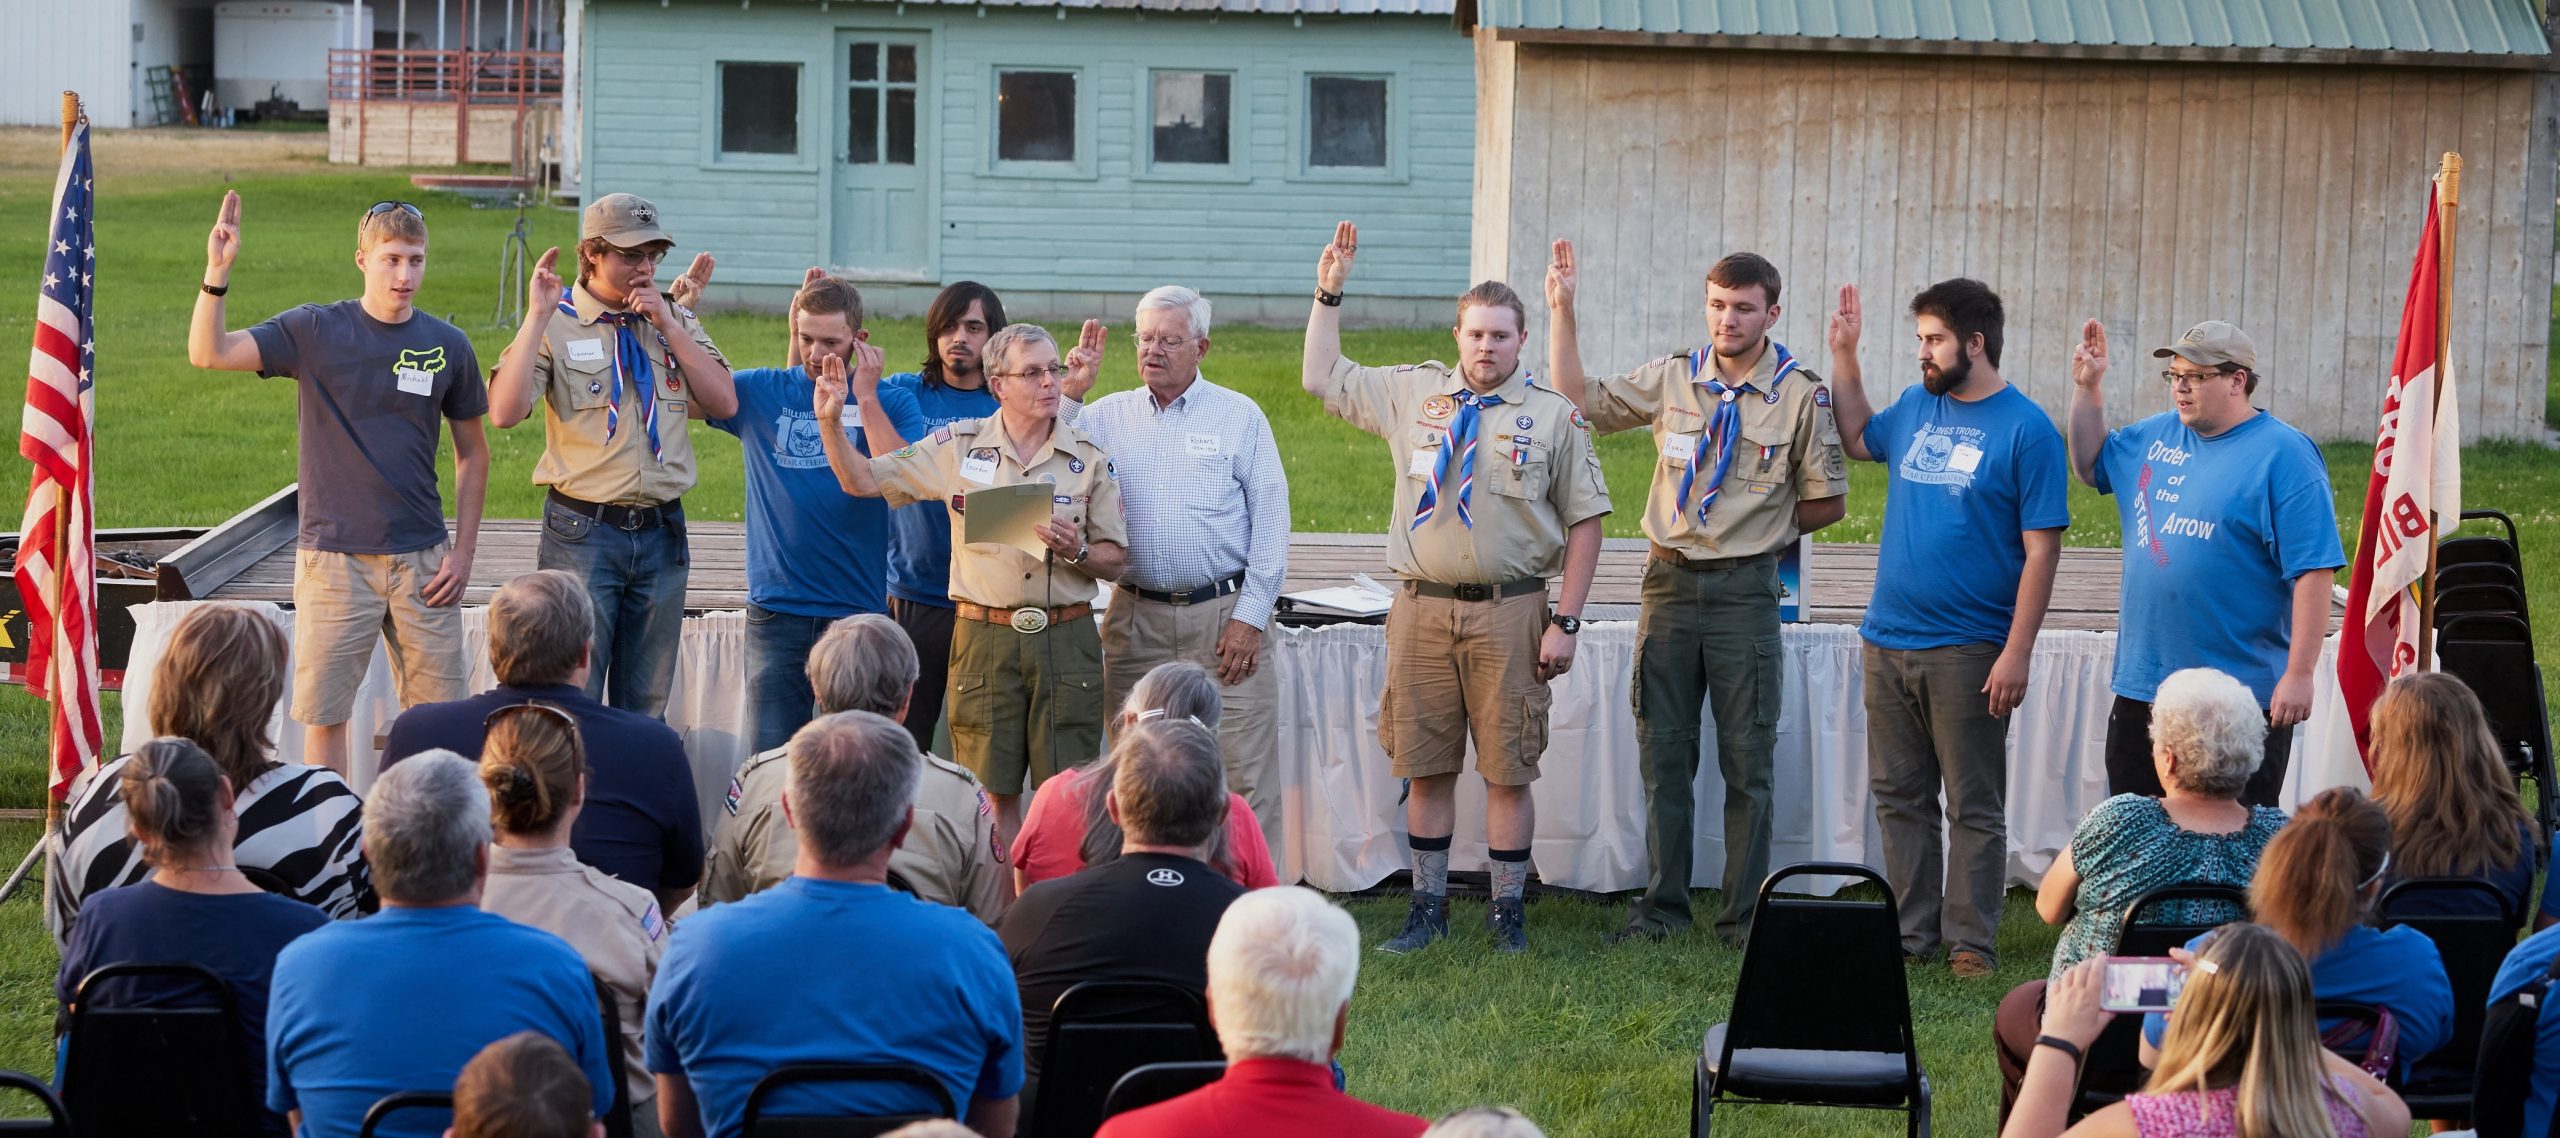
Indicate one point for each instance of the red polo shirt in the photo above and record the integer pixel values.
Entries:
(1281, 1098)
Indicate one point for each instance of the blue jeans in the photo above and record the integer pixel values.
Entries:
(778, 690)
(636, 579)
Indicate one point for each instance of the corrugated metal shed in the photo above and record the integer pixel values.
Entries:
(1241, 7)
(2436, 27)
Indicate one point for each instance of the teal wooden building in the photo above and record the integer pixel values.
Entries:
(1072, 155)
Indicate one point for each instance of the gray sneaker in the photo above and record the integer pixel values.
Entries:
(1509, 923)
(1426, 921)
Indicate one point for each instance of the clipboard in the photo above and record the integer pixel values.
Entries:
(1007, 515)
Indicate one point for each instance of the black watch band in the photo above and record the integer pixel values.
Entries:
(213, 290)
(1328, 299)
(1572, 625)
(2062, 1045)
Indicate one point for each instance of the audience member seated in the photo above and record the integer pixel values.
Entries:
(536, 773)
(401, 1000)
(1067, 829)
(195, 908)
(217, 685)
(2242, 1059)
(2207, 735)
(1484, 1122)
(1148, 913)
(642, 822)
(1281, 969)
(2453, 806)
(2530, 960)
(2315, 888)
(950, 857)
(523, 1086)
(832, 965)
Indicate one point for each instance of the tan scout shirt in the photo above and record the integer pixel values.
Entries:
(573, 377)
(1535, 474)
(970, 453)
(614, 925)
(950, 856)
(1789, 451)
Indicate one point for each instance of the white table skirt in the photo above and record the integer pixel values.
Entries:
(1342, 826)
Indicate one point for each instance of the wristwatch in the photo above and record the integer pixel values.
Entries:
(1081, 552)
(213, 290)
(1328, 299)
(1571, 625)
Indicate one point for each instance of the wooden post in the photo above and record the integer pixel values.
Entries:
(2448, 195)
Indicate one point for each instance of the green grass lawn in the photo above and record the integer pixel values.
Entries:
(1589, 1041)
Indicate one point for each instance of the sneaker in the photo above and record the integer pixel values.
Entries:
(1634, 931)
(1426, 921)
(1970, 965)
(1509, 923)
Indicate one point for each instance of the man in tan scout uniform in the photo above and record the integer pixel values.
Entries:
(1025, 694)
(950, 855)
(618, 370)
(1748, 459)
(1499, 489)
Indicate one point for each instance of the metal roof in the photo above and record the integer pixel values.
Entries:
(1239, 7)
(2435, 27)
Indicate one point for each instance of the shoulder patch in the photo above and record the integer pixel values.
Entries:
(737, 790)
(940, 435)
(1821, 395)
(995, 841)
(653, 922)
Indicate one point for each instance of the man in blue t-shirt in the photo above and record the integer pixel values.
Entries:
(875, 975)
(951, 387)
(1974, 513)
(399, 1001)
(2230, 543)
(815, 554)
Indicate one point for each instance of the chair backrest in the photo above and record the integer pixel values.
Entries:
(379, 1114)
(1100, 1030)
(2484, 515)
(2465, 550)
(2348, 1028)
(2480, 573)
(2466, 600)
(155, 1048)
(1823, 974)
(758, 1123)
(55, 1122)
(617, 1119)
(1158, 1082)
(2494, 656)
(2474, 946)
(2171, 915)
(266, 879)
(2504, 1079)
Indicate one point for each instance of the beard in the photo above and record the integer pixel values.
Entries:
(1940, 381)
(962, 365)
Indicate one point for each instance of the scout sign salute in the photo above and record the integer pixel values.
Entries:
(1469, 642)
(1750, 458)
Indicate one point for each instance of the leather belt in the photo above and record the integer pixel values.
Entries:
(1200, 596)
(625, 518)
(1521, 587)
(1029, 618)
(1674, 557)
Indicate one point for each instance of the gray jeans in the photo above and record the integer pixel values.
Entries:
(1929, 725)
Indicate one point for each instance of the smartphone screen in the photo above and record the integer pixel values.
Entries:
(2141, 983)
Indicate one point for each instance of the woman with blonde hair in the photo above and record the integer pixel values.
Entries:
(2242, 1059)
(301, 828)
(535, 767)
(2453, 806)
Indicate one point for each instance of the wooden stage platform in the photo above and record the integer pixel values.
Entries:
(1843, 575)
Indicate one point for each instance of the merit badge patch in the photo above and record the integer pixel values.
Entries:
(1525, 422)
(736, 792)
(1822, 395)
(1439, 406)
(907, 451)
(1581, 423)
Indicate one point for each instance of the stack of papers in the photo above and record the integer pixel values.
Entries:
(1363, 597)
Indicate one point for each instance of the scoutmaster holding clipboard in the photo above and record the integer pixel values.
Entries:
(1007, 515)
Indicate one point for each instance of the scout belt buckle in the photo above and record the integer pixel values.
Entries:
(1030, 618)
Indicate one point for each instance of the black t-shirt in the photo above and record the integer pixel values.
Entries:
(1143, 916)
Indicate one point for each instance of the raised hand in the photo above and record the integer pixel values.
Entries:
(1335, 265)
(1560, 276)
(687, 289)
(815, 274)
(2089, 357)
(1847, 322)
(868, 362)
(543, 290)
(222, 246)
(1084, 361)
(827, 402)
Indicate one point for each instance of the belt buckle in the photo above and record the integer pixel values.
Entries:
(1179, 600)
(1030, 618)
(1474, 592)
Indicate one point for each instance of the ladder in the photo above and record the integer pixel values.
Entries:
(159, 82)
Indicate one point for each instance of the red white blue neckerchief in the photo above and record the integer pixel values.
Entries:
(630, 358)
(1724, 423)
(1470, 415)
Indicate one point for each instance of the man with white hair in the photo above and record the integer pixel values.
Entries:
(1208, 508)
(1281, 970)
(874, 975)
(400, 1001)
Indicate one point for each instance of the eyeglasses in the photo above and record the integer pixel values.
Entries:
(1164, 343)
(377, 209)
(2175, 378)
(637, 256)
(1053, 371)
(566, 719)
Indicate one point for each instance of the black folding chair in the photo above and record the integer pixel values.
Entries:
(2480, 573)
(2367, 1019)
(376, 1116)
(175, 1066)
(617, 1118)
(1100, 1030)
(2484, 600)
(2494, 655)
(2113, 1068)
(1821, 1011)
(2508, 1037)
(2471, 549)
(2473, 927)
(758, 1124)
(1159, 1082)
(55, 1121)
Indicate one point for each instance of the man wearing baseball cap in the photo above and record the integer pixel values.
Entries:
(618, 369)
(2230, 542)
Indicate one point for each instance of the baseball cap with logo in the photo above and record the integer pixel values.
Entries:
(627, 221)
(2212, 344)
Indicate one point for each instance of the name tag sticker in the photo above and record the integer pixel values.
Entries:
(417, 382)
(1423, 461)
(1966, 457)
(1200, 445)
(979, 470)
(586, 351)
(1677, 446)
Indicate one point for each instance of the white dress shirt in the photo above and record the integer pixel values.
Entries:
(1205, 494)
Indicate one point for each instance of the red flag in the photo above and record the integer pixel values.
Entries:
(57, 569)
(2417, 476)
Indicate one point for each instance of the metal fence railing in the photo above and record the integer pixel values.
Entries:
(482, 78)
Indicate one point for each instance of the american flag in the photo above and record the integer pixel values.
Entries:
(57, 540)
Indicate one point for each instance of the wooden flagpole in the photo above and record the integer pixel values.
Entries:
(2448, 195)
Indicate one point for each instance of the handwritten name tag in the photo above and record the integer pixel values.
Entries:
(586, 351)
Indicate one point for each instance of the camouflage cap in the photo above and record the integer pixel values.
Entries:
(627, 221)
(2211, 344)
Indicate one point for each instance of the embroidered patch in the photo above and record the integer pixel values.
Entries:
(1048, 479)
(675, 382)
(1438, 406)
(736, 792)
(1579, 422)
(1822, 395)
(652, 922)
(1771, 397)
(1075, 466)
(995, 845)
(1525, 422)
(1063, 499)
(960, 503)
(942, 435)
(1114, 473)
(907, 451)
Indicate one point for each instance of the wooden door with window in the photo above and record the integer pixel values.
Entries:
(883, 209)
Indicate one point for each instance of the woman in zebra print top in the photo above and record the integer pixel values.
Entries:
(301, 827)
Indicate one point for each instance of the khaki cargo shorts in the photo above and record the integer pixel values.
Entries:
(343, 602)
(1465, 669)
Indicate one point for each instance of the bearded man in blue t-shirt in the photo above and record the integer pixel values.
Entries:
(2230, 542)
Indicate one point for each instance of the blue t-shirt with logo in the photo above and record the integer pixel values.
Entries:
(1963, 480)
(920, 535)
(2216, 530)
(812, 549)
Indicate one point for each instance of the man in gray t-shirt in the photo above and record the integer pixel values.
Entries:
(379, 379)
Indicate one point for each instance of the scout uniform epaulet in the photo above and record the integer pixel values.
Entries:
(961, 429)
(946, 765)
(642, 907)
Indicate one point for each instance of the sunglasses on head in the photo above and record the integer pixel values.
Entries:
(566, 719)
(383, 207)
